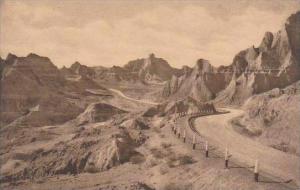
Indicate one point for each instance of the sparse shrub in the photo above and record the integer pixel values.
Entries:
(255, 132)
(152, 163)
(186, 160)
(177, 186)
(174, 161)
(166, 145)
(156, 129)
(161, 125)
(157, 153)
(163, 169)
(137, 159)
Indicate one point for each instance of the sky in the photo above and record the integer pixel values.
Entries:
(107, 33)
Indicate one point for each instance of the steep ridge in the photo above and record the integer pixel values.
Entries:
(277, 58)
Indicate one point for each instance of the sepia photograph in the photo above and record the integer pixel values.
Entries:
(149, 94)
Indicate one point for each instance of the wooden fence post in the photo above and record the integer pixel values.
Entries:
(206, 149)
(256, 171)
(194, 142)
(226, 157)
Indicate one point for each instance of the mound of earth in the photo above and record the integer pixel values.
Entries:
(133, 186)
(98, 112)
(138, 123)
(273, 118)
(90, 150)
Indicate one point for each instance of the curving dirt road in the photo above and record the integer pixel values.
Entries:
(218, 130)
(132, 99)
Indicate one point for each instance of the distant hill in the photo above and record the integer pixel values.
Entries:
(32, 81)
(146, 70)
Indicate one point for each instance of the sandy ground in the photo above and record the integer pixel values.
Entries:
(218, 131)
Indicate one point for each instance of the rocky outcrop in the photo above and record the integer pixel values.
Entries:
(188, 105)
(155, 69)
(138, 123)
(272, 118)
(82, 70)
(293, 32)
(202, 82)
(117, 151)
(78, 71)
(171, 86)
(266, 43)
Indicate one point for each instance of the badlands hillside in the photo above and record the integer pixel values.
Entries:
(275, 63)
(111, 128)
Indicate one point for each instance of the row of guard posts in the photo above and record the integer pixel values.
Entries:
(177, 132)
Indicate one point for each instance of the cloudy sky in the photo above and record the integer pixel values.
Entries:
(102, 32)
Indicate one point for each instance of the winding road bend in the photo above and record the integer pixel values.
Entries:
(219, 132)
